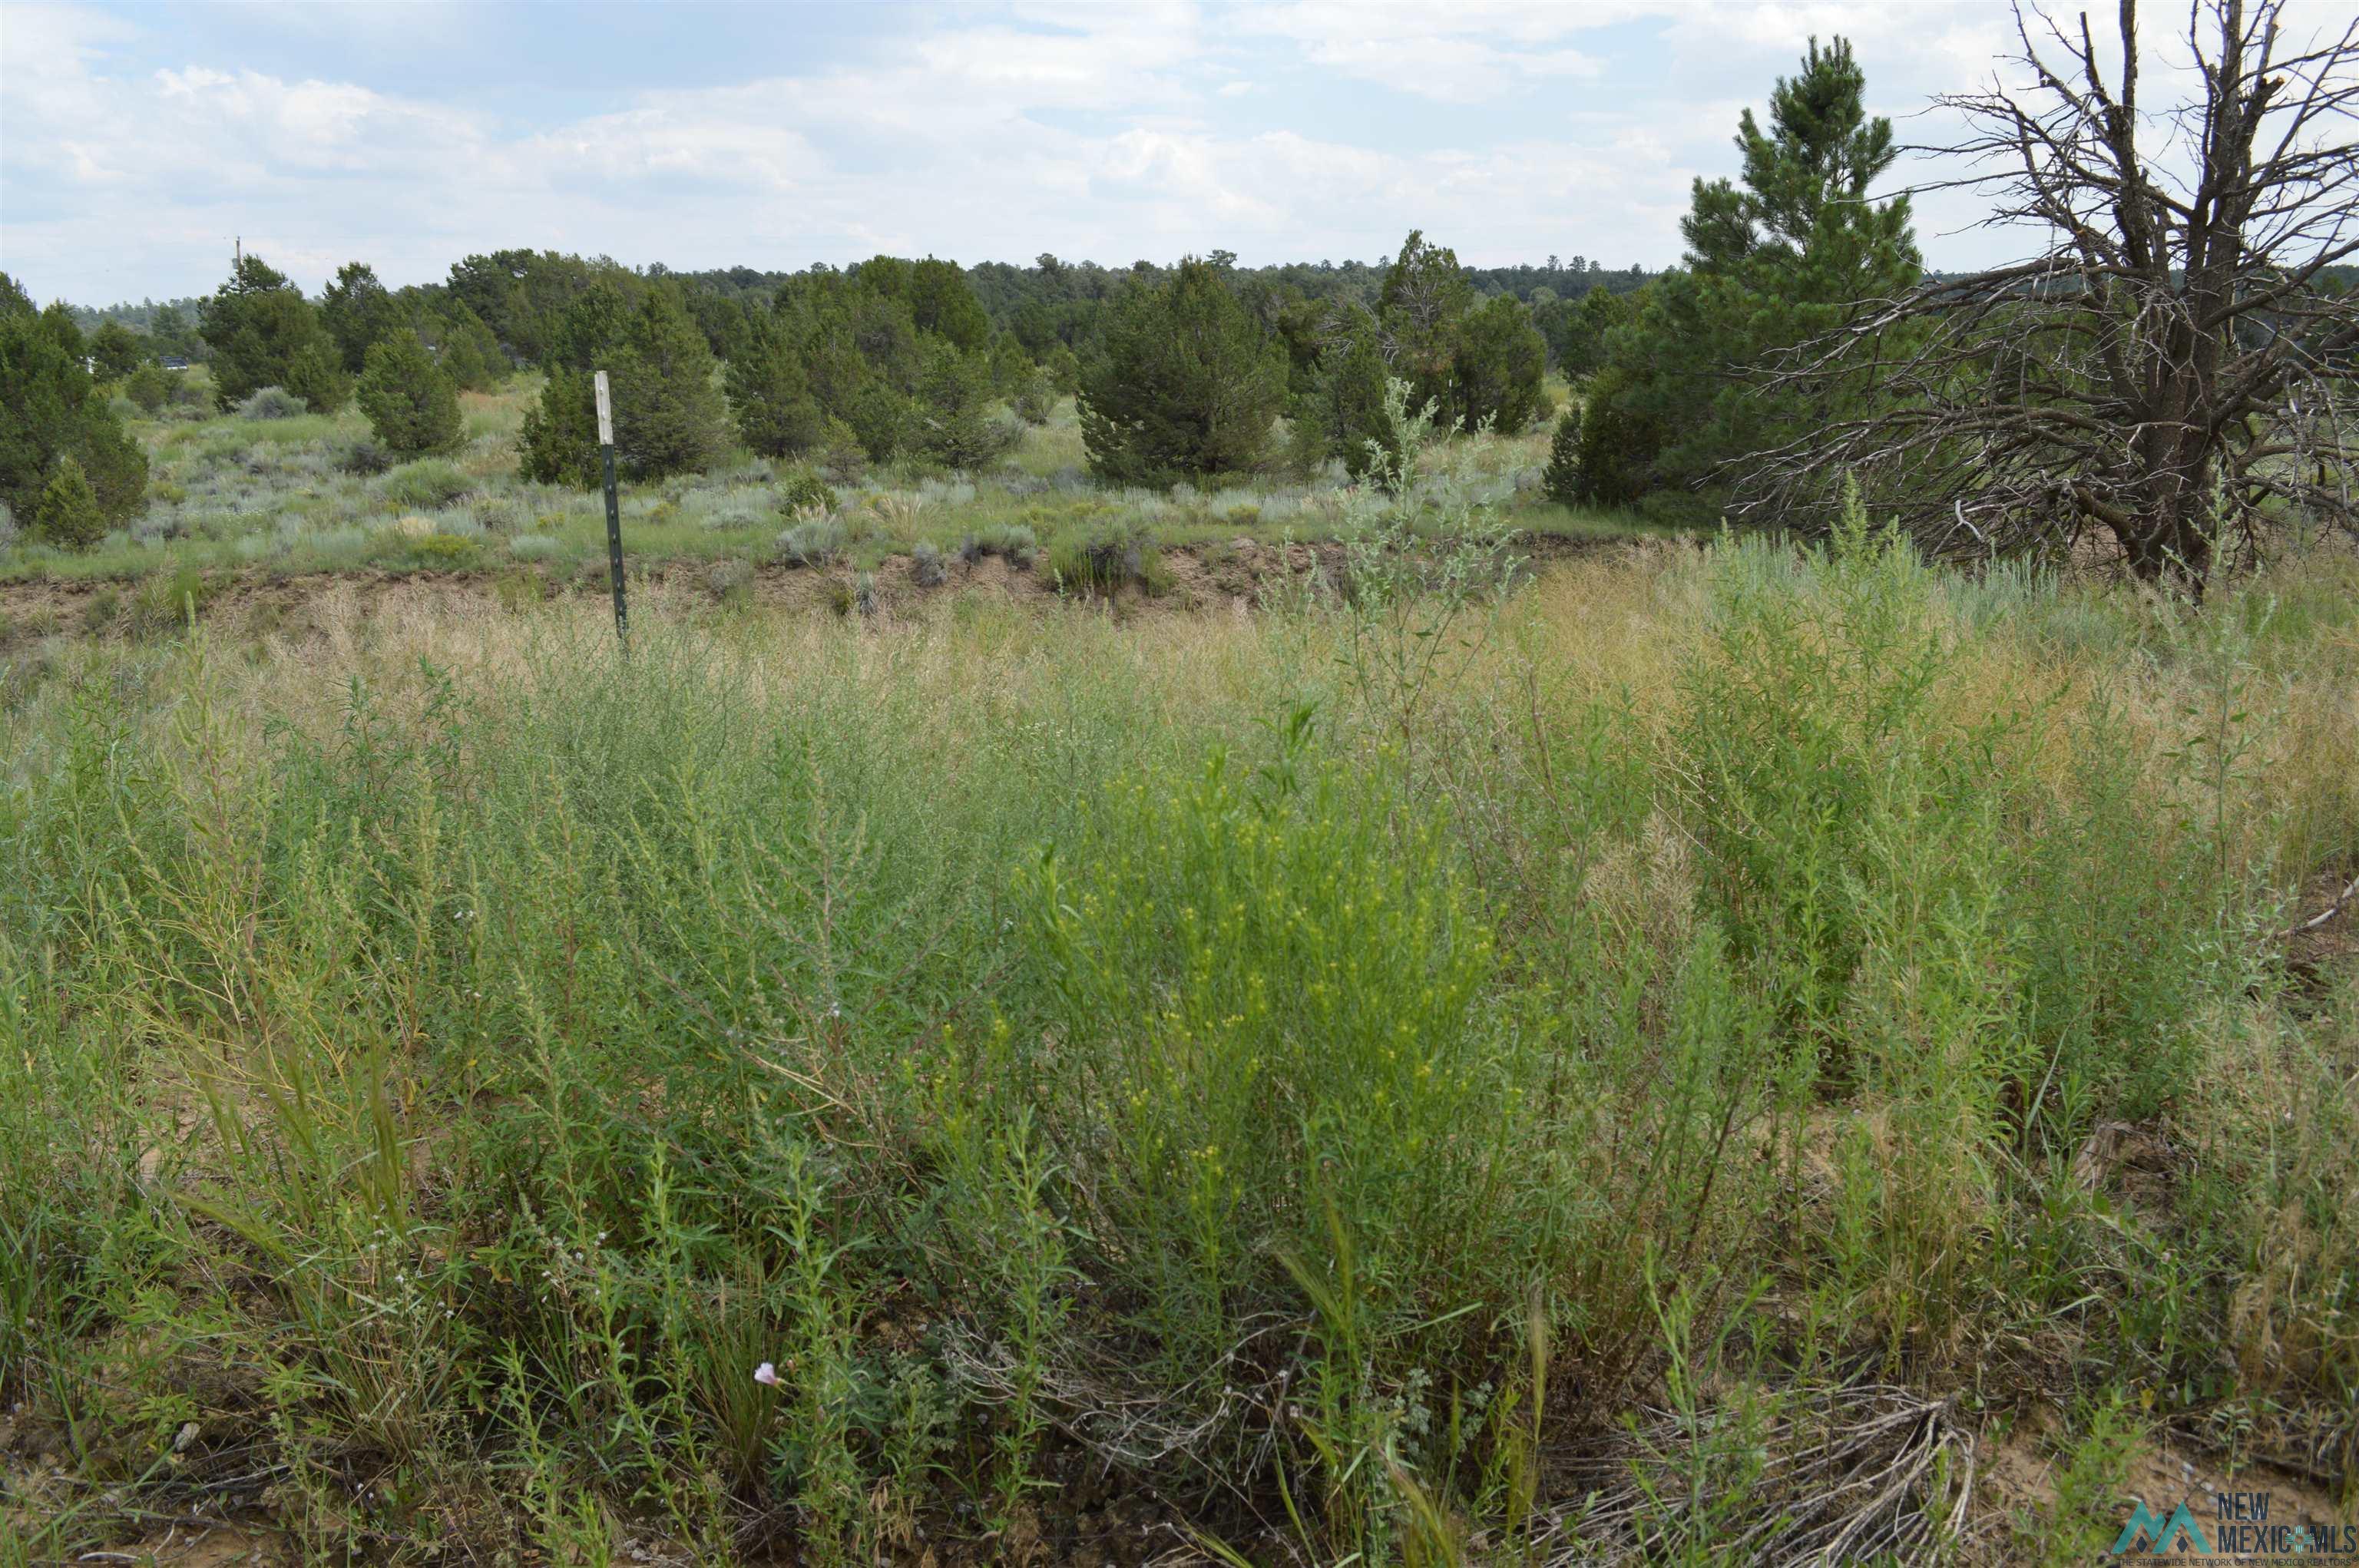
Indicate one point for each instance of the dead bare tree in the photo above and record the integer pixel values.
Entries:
(2175, 365)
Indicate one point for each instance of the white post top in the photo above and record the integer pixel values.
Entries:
(605, 412)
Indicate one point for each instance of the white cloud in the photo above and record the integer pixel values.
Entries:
(1282, 131)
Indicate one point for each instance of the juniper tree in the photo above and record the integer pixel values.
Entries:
(50, 409)
(263, 333)
(68, 514)
(411, 403)
(1188, 386)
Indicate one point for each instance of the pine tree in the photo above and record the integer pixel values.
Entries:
(1187, 386)
(1786, 255)
(955, 425)
(68, 514)
(317, 376)
(411, 403)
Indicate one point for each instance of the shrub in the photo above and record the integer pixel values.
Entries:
(148, 387)
(803, 488)
(864, 594)
(729, 580)
(69, 516)
(426, 483)
(7, 525)
(1013, 542)
(815, 543)
(1104, 563)
(273, 403)
(1561, 479)
(48, 409)
(441, 552)
(926, 568)
(841, 457)
(411, 405)
(534, 547)
(364, 458)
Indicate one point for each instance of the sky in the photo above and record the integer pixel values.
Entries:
(138, 142)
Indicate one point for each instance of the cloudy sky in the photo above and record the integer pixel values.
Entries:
(136, 141)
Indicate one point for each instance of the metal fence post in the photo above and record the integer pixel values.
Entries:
(614, 511)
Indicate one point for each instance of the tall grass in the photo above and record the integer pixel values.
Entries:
(441, 1069)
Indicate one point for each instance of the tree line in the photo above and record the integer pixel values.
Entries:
(2177, 361)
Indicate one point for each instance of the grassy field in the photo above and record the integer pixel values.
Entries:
(301, 495)
(1694, 1055)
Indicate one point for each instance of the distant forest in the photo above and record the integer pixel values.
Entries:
(1050, 302)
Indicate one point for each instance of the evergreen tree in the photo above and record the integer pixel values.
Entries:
(317, 376)
(260, 328)
(1786, 255)
(50, 409)
(955, 424)
(463, 346)
(1424, 300)
(777, 415)
(1188, 385)
(358, 312)
(1560, 479)
(68, 514)
(669, 416)
(411, 403)
(1346, 404)
(941, 302)
(1499, 369)
(116, 350)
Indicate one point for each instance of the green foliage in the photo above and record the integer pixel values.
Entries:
(1347, 410)
(1791, 253)
(1561, 479)
(777, 416)
(464, 347)
(670, 415)
(1188, 388)
(1422, 306)
(1618, 439)
(273, 403)
(411, 403)
(68, 514)
(1577, 330)
(956, 424)
(425, 484)
(116, 350)
(1498, 369)
(263, 333)
(148, 386)
(50, 409)
(802, 488)
(358, 312)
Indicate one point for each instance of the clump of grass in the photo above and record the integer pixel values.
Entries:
(815, 543)
(926, 568)
(426, 485)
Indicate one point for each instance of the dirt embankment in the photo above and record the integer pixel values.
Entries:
(1233, 577)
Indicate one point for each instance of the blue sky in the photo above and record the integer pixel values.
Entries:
(137, 140)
